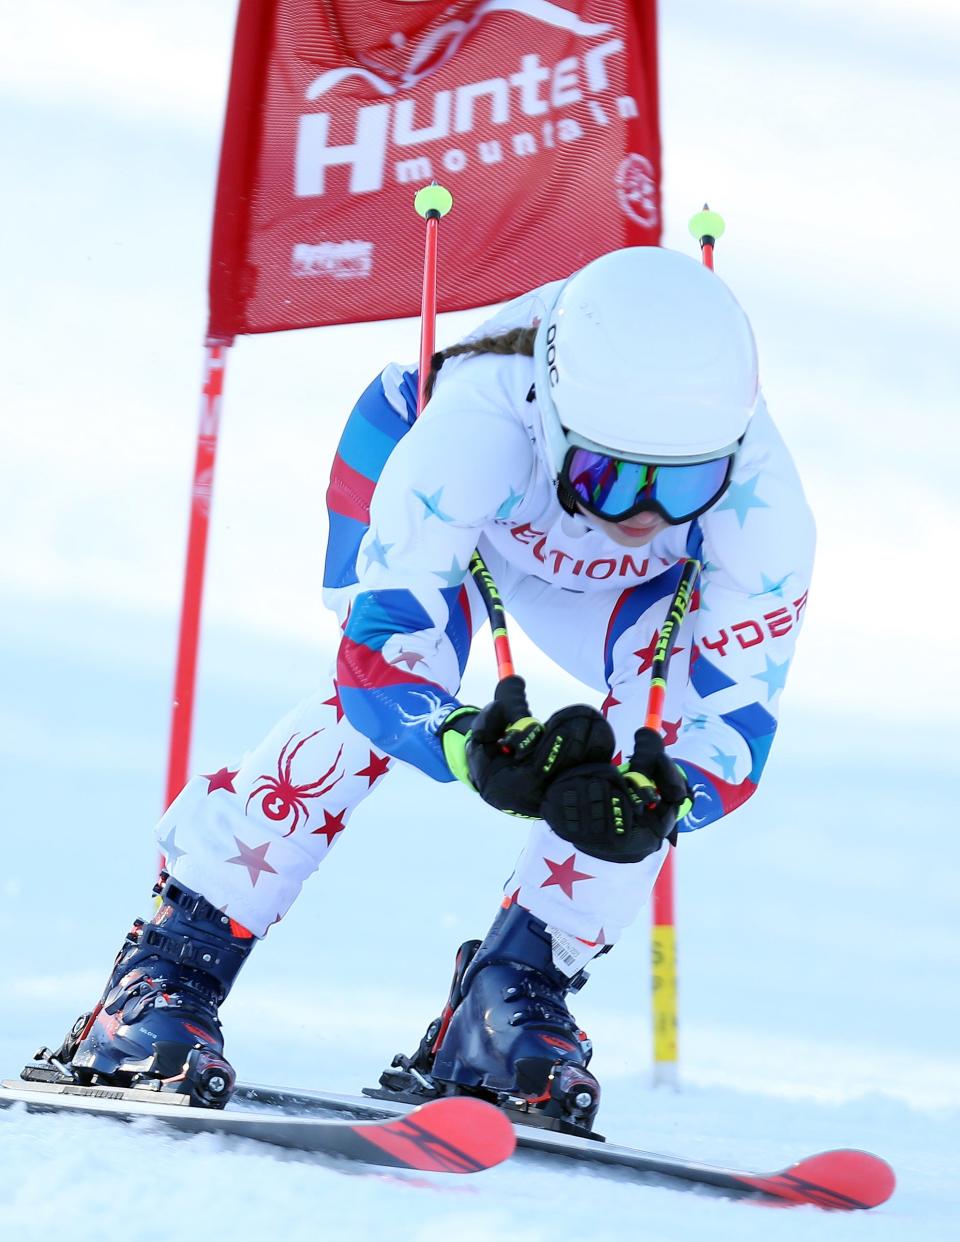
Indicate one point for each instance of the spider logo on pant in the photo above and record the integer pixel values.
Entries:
(281, 795)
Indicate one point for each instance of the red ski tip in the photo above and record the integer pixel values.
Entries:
(456, 1135)
(845, 1180)
(478, 1127)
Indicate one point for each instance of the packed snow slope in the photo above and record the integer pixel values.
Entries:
(818, 932)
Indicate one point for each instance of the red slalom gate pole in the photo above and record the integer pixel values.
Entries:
(706, 226)
(181, 719)
(663, 958)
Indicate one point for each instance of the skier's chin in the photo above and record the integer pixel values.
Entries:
(633, 533)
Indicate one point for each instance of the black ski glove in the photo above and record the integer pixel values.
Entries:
(620, 814)
(510, 758)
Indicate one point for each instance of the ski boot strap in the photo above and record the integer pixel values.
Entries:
(191, 932)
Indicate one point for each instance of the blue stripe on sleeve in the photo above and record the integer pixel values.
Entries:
(402, 720)
(343, 544)
(458, 627)
(377, 616)
(757, 728)
(706, 678)
(376, 409)
(409, 386)
(365, 448)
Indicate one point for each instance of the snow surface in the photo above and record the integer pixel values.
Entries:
(818, 927)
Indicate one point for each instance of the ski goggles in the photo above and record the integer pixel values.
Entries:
(614, 489)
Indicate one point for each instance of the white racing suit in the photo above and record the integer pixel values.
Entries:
(409, 501)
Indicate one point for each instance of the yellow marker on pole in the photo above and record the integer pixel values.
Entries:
(663, 963)
(432, 199)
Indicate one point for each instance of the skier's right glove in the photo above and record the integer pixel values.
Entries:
(510, 758)
(620, 814)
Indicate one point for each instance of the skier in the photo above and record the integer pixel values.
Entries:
(587, 440)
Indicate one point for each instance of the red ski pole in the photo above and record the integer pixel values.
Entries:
(433, 202)
(706, 226)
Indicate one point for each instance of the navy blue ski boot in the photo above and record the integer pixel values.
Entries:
(157, 1024)
(506, 1033)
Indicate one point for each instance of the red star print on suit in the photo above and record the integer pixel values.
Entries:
(220, 780)
(565, 875)
(254, 859)
(374, 769)
(335, 702)
(671, 731)
(647, 653)
(332, 825)
(608, 703)
(410, 658)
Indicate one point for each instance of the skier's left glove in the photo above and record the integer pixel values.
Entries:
(509, 757)
(620, 814)
(651, 769)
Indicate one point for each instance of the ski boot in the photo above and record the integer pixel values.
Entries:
(156, 1026)
(506, 1033)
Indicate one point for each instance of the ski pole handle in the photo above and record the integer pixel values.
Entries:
(496, 613)
(679, 607)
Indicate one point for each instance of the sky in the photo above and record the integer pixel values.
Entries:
(819, 135)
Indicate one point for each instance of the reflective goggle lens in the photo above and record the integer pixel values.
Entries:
(614, 489)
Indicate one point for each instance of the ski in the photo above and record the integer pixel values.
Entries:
(456, 1135)
(842, 1180)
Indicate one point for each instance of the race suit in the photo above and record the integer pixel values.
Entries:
(409, 500)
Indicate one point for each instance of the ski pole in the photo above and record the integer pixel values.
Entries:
(433, 202)
(706, 226)
(679, 607)
(496, 613)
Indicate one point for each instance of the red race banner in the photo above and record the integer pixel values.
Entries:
(540, 116)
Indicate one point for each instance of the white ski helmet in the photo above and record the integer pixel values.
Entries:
(645, 354)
